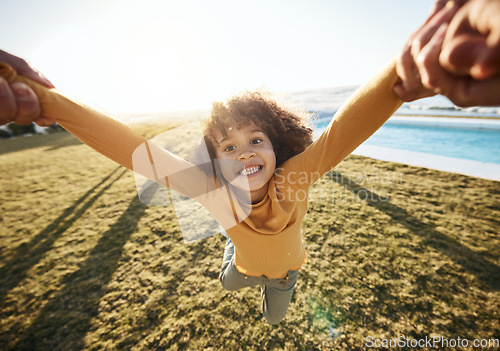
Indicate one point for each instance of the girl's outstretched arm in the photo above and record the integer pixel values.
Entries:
(128, 148)
(110, 137)
(364, 112)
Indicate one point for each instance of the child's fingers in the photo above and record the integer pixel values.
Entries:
(434, 77)
(405, 68)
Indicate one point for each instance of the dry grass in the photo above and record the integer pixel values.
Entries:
(393, 251)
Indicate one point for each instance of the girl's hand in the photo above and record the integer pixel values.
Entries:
(18, 103)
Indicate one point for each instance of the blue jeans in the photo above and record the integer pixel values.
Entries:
(276, 293)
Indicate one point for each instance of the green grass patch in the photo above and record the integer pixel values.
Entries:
(393, 251)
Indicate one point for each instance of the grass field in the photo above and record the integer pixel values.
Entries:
(393, 251)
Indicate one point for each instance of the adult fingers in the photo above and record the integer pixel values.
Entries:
(487, 64)
(7, 103)
(472, 42)
(438, 5)
(488, 61)
(29, 72)
(28, 107)
(466, 92)
(461, 90)
(470, 54)
(460, 54)
(428, 30)
(24, 68)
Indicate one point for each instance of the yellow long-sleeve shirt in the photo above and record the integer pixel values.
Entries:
(266, 235)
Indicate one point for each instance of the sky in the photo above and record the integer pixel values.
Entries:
(131, 56)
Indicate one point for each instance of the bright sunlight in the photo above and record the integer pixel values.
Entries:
(160, 62)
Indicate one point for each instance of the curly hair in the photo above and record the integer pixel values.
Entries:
(287, 130)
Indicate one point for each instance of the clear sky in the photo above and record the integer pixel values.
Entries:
(159, 55)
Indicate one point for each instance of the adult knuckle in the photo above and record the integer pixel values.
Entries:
(423, 60)
(7, 108)
(417, 45)
(27, 112)
(430, 81)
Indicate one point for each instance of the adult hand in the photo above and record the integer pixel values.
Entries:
(460, 60)
(472, 42)
(462, 90)
(411, 87)
(467, 69)
(18, 103)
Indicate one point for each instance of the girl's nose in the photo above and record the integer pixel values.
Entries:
(246, 154)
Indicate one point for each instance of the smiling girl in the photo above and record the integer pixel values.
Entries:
(264, 161)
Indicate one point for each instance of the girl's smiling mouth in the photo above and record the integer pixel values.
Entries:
(250, 170)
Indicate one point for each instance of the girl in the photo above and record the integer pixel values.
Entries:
(263, 162)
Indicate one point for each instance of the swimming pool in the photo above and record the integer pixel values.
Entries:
(462, 143)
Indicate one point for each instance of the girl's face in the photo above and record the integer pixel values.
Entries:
(253, 149)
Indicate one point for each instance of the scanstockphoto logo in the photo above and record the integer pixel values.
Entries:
(435, 342)
(365, 178)
(357, 186)
(364, 186)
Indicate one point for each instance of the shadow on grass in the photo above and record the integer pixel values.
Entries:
(470, 260)
(65, 140)
(29, 254)
(52, 141)
(65, 320)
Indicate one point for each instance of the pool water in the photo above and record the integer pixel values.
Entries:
(469, 144)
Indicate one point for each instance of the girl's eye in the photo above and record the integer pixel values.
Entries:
(256, 141)
(229, 148)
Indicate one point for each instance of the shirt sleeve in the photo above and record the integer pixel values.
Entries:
(117, 141)
(365, 111)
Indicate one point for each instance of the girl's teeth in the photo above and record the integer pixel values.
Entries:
(248, 171)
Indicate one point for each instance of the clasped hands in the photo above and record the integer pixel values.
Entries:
(18, 103)
(456, 53)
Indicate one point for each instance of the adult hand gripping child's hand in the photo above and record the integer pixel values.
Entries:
(456, 53)
(465, 67)
(18, 102)
(411, 87)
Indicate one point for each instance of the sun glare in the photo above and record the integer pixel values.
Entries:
(171, 63)
(175, 58)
